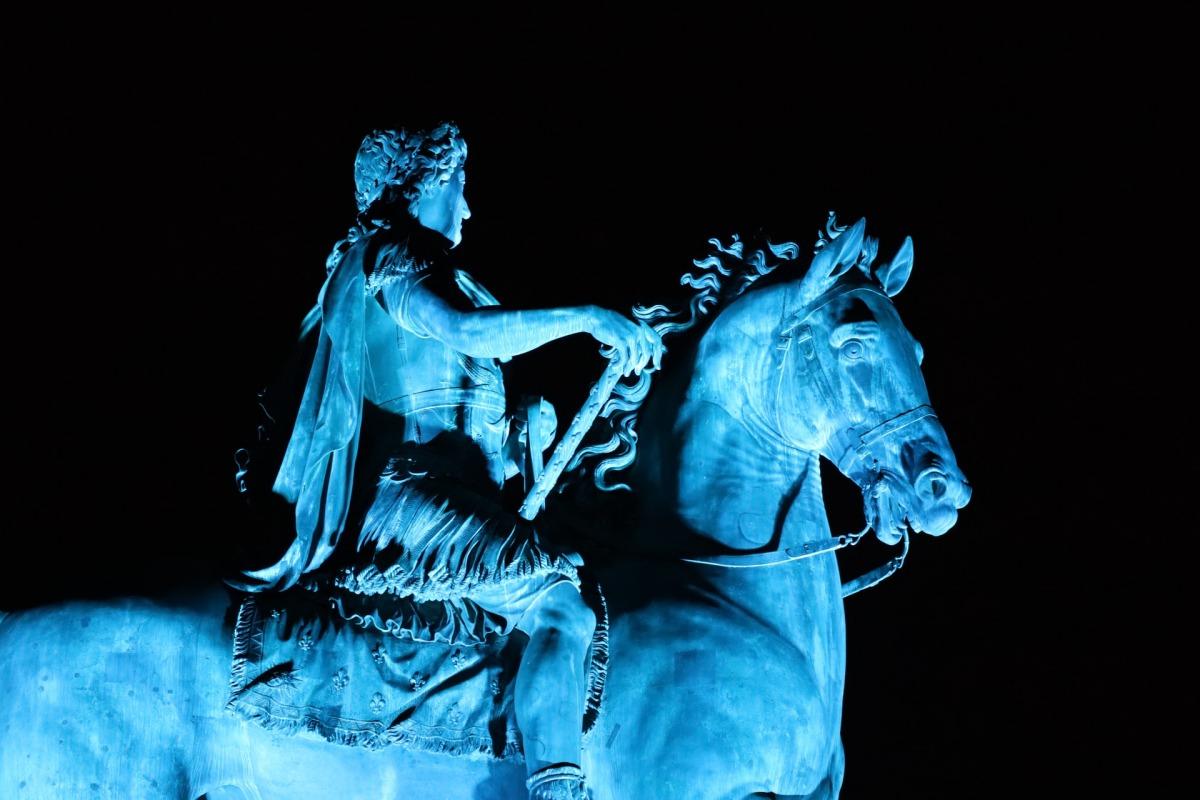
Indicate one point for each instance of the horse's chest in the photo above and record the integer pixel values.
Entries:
(687, 679)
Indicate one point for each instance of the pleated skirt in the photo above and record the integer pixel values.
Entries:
(438, 561)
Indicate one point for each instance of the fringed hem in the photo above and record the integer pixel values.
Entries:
(462, 623)
(431, 586)
(468, 745)
(243, 640)
(598, 668)
(430, 538)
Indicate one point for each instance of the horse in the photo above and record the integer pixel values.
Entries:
(727, 629)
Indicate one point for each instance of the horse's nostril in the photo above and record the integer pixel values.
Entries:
(932, 484)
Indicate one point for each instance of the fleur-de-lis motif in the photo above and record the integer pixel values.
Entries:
(377, 654)
(306, 641)
(458, 659)
(418, 681)
(341, 679)
(377, 703)
(494, 685)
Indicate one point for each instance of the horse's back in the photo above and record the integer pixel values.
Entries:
(126, 698)
(105, 698)
(304, 766)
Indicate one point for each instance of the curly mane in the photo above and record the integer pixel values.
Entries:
(723, 276)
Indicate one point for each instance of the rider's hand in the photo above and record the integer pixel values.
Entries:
(636, 343)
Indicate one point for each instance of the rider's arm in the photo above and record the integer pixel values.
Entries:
(492, 332)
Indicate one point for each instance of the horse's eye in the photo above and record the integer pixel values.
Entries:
(853, 349)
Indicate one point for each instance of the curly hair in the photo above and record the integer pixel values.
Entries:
(394, 165)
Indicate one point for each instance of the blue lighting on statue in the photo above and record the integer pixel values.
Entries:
(420, 639)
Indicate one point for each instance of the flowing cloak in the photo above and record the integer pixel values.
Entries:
(317, 472)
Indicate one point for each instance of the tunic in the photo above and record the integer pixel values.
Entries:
(399, 440)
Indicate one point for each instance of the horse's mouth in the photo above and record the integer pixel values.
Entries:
(894, 508)
(892, 533)
(934, 519)
(887, 511)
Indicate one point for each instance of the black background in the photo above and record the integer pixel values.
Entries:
(187, 187)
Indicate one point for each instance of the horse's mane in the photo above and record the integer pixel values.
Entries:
(723, 275)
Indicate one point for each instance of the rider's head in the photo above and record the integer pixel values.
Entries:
(399, 167)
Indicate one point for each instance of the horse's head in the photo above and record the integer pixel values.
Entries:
(847, 383)
(790, 366)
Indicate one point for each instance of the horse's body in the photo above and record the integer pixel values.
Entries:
(725, 680)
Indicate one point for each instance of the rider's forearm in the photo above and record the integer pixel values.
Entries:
(501, 333)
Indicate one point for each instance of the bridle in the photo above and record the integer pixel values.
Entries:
(859, 458)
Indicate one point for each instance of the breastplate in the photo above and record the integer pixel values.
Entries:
(433, 387)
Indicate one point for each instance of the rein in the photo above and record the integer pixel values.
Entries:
(814, 547)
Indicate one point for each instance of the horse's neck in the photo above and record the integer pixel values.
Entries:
(733, 490)
(709, 460)
(743, 490)
(712, 477)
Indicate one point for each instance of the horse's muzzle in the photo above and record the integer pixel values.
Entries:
(940, 492)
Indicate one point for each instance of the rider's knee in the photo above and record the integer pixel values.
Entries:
(561, 611)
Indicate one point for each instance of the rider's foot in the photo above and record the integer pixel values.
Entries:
(557, 782)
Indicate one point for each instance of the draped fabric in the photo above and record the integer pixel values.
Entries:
(318, 467)
(399, 439)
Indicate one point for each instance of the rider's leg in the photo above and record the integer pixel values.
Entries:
(551, 680)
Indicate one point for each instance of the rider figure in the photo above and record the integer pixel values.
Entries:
(401, 438)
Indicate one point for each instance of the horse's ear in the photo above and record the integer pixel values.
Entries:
(834, 259)
(849, 246)
(894, 276)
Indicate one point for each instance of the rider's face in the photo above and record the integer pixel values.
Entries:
(445, 208)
